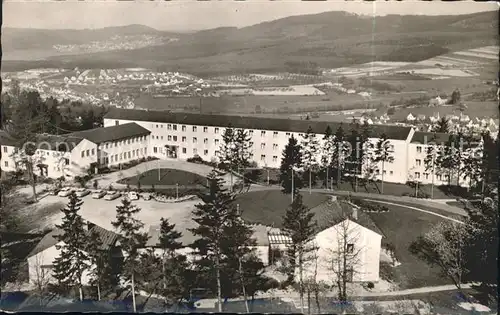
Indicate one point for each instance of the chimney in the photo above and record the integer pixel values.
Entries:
(354, 213)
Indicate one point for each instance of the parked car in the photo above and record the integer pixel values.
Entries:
(112, 195)
(65, 192)
(146, 196)
(54, 191)
(82, 192)
(132, 195)
(98, 194)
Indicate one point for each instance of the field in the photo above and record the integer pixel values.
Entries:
(167, 177)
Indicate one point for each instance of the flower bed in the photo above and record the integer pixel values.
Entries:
(165, 199)
(370, 207)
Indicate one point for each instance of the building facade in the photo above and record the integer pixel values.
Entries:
(76, 153)
(185, 135)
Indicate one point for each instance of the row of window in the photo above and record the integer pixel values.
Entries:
(426, 175)
(125, 156)
(216, 141)
(122, 142)
(183, 128)
(89, 152)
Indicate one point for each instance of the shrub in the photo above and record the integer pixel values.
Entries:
(370, 285)
(47, 180)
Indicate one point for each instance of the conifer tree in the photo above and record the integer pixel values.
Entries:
(327, 152)
(102, 271)
(73, 261)
(383, 154)
(214, 212)
(174, 265)
(298, 223)
(235, 150)
(243, 145)
(291, 161)
(237, 248)
(131, 240)
(310, 151)
(340, 153)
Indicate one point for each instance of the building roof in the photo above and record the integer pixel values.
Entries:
(6, 139)
(331, 213)
(113, 133)
(274, 124)
(187, 238)
(108, 238)
(422, 137)
(45, 141)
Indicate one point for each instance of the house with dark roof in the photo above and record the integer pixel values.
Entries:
(75, 153)
(344, 232)
(338, 223)
(42, 256)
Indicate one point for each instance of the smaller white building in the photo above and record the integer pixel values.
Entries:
(41, 258)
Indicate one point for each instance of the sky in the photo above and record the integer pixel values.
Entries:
(185, 15)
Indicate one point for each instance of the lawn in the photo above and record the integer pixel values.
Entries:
(167, 176)
(401, 227)
(374, 187)
(268, 207)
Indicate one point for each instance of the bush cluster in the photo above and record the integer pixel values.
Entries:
(370, 207)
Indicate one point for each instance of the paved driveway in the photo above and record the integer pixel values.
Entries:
(102, 212)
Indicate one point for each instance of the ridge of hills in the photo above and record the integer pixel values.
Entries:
(329, 39)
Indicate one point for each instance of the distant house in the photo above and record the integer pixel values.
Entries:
(464, 118)
(410, 117)
(41, 258)
(421, 117)
(438, 101)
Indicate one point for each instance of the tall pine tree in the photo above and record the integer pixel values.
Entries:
(291, 161)
(131, 240)
(212, 215)
(73, 261)
(340, 153)
(327, 153)
(383, 154)
(298, 223)
(238, 250)
(310, 152)
(174, 265)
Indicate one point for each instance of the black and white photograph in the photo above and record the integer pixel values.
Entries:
(305, 157)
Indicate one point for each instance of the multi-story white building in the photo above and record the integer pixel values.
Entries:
(185, 135)
(75, 153)
(131, 134)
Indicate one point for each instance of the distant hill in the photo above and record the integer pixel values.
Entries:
(28, 38)
(330, 39)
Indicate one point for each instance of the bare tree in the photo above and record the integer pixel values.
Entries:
(345, 256)
(444, 245)
(41, 277)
